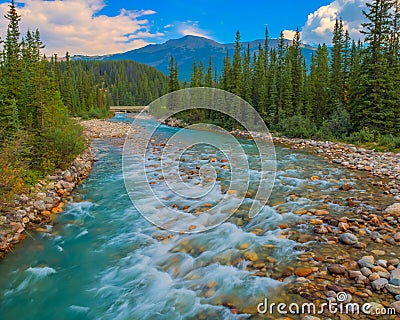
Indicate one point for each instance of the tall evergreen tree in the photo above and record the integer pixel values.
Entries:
(377, 108)
(337, 78)
(297, 74)
(237, 84)
(209, 76)
(11, 86)
(173, 82)
(319, 83)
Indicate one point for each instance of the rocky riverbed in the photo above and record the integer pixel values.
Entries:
(35, 209)
(357, 254)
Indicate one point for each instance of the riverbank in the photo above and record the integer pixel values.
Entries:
(35, 209)
(382, 165)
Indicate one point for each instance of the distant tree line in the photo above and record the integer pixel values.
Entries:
(39, 97)
(88, 88)
(351, 92)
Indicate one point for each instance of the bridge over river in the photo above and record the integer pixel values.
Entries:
(127, 109)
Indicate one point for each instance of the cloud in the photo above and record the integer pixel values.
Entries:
(78, 26)
(289, 34)
(320, 24)
(191, 28)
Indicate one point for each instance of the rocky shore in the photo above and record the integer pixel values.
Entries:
(383, 165)
(35, 209)
(357, 254)
(104, 129)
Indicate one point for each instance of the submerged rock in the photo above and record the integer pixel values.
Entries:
(252, 256)
(348, 238)
(366, 261)
(395, 277)
(337, 269)
(303, 272)
(346, 187)
(379, 284)
(393, 289)
(393, 210)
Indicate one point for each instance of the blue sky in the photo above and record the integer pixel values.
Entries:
(220, 19)
(109, 26)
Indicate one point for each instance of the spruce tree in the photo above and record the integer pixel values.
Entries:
(237, 81)
(297, 73)
(319, 82)
(173, 82)
(209, 76)
(378, 107)
(11, 86)
(336, 72)
(247, 76)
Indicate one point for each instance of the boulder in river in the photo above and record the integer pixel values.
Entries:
(348, 238)
(393, 289)
(395, 277)
(393, 210)
(379, 284)
(337, 269)
(366, 261)
(346, 187)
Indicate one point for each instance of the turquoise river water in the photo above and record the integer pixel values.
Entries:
(103, 260)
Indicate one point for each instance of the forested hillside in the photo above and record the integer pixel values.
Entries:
(353, 93)
(39, 96)
(90, 87)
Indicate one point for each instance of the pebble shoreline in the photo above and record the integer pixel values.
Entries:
(35, 209)
(384, 165)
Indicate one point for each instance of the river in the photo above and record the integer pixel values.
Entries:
(103, 260)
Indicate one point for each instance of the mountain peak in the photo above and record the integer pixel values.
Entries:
(191, 41)
(187, 49)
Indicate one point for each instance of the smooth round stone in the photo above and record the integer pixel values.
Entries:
(393, 289)
(366, 271)
(310, 318)
(382, 263)
(366, 261)
(337, 269)
(374, 276)
(348, 238)
(376, 308)
(379, 284)
(395, 277)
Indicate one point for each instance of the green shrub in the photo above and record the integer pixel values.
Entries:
(14, 163)
(362, 136)
(58, 146)
(298, 127)
(389, 141)
(339, 124)
(32, 176)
